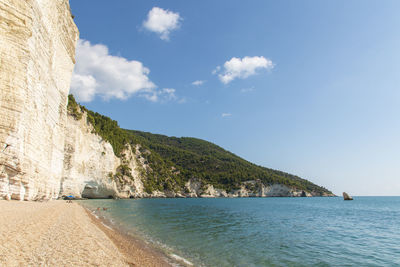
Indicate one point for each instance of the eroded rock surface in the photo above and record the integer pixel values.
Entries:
(37, 50)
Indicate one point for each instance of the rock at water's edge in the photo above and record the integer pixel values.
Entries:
(347, 196)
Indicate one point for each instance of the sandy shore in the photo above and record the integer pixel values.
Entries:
(55, 233)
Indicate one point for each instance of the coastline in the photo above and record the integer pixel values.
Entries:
(56, 233)
(136, 252)
(133, 246)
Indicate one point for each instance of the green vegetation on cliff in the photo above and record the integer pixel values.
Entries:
(107, 128)
(214, 165)
(173, 161)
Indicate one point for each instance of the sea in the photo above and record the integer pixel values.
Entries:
(317, 231)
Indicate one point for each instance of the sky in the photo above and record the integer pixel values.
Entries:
(307, 87)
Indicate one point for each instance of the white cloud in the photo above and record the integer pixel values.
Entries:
(224, 115)
(83, 87)
(247, 90)
(97, 73)
(216, 70)
(163, 95)
(242, 68)
(182, 100)
(168, 94)
(198, 82)
(162, 22)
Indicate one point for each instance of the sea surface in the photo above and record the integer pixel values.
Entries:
(265, 231)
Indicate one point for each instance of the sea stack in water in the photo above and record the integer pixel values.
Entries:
(346, 196)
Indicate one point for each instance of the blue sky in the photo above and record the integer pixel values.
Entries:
(307, 87)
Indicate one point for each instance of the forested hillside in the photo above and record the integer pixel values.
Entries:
(175, 160)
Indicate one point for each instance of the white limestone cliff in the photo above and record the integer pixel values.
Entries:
(37, 50)
(253, 188)
(90, 165)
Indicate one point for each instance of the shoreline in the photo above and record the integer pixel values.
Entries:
(57, 233)
(199, 197)
(135, 251)
(129, 242)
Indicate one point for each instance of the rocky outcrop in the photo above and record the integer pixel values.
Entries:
(195, 188)
(37, 50)
(91, 169)
(210, 191)
(347, 196)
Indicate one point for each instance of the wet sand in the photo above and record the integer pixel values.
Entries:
(57, 233)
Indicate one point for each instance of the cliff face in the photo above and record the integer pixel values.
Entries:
(91, 168)
(37, 49)
(44, 153)
(247, 189)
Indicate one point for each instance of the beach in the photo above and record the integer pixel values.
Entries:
(56, 233)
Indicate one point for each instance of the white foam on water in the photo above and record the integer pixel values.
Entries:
(178, 258)
(107, 226)
(178, 261)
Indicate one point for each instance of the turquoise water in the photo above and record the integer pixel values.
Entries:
(267, 231)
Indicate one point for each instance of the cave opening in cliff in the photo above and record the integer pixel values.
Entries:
(88, 191)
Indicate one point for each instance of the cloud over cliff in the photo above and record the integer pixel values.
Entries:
(97, 73)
